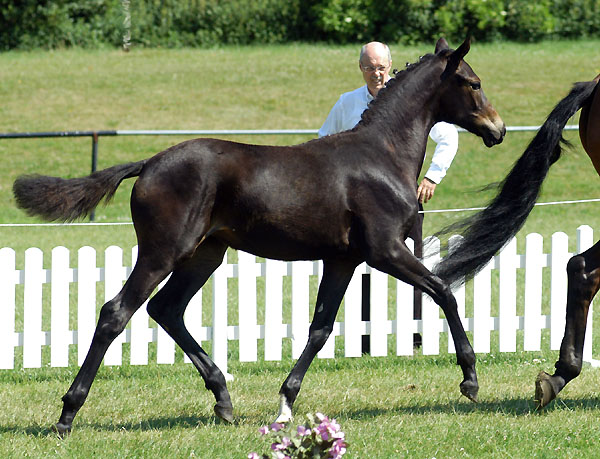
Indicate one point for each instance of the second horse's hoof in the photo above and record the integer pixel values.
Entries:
(544, 391)
(225, 412)
(469, 389)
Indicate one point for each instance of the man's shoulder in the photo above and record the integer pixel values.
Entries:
(358, 93)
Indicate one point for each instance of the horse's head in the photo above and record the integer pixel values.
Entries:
(462, 100)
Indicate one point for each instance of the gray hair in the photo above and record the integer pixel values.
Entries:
(363, 50)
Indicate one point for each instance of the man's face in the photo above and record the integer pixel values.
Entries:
(375, 68)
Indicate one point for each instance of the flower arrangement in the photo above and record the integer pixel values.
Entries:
(320, 437)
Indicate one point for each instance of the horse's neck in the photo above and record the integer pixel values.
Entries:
(409, 116)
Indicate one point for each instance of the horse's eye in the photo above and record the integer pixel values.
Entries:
(475, 85)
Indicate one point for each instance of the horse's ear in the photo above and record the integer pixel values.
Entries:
(457, 56)
(441, 45)
(462, 50)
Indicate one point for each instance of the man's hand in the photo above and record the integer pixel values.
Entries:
(425, 190)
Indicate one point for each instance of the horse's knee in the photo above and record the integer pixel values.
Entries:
(583, 280)
(112, 320)
(442, 295)
(318, 337)
(576, 267)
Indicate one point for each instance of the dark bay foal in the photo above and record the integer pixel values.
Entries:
(345, 199)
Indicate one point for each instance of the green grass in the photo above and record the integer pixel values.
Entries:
(392, 407)
(412, 403)
(268, 87)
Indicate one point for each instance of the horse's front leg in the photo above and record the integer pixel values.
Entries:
(336, 277)
(399, 262)
(584, 281)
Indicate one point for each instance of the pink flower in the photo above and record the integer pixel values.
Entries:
(285, 442)
(276, 426)
(253, 456)
(303, 431)
(338, 449)
(264, 430)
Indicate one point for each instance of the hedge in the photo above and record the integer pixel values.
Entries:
(26, 24)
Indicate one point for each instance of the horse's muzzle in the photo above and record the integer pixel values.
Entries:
(494, 134)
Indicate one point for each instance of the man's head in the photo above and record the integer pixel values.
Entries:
(375, 62)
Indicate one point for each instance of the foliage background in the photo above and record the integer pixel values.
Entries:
(48, 24)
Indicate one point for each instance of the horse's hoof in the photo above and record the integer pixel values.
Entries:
(224, 411)
(469, 389)
(284, 419)
(61, 429)
(285, 411)
(544, 391)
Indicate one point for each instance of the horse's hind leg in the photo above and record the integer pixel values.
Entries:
(336, 277)
(114, 316)
(583, 272)
(169, 304)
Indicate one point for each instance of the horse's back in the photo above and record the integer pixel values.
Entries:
(272, 201)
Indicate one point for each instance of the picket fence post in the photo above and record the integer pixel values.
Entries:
(482, 320)
(352, 314)
(274, 332)
(460, 296)
(59, 312)
(247, 305)
(559, 257)
(8, 280)
(532, 317)
(32, 308)
(508, 262)
(87, 276)
(432, 324)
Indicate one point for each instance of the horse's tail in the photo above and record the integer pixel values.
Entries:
(486, 232)
(58, 199)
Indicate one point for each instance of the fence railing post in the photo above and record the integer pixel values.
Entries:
(94, 164)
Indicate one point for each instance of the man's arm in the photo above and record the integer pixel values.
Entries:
(446, 137)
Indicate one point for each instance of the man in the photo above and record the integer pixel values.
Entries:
(375, 63)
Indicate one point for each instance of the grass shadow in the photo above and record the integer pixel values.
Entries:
(516, 407)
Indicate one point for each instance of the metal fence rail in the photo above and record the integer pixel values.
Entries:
(95, 135)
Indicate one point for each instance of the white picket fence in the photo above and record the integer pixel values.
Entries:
(33, 338)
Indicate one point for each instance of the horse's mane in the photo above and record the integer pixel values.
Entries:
(392, 88)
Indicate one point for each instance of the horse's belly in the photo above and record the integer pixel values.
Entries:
(278, 244)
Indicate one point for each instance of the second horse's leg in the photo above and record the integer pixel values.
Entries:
(584, 280)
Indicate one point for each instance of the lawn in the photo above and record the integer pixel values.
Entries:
(389, 407)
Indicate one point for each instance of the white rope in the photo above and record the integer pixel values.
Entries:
(437, 211)
(22, 225)
(469, 209)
